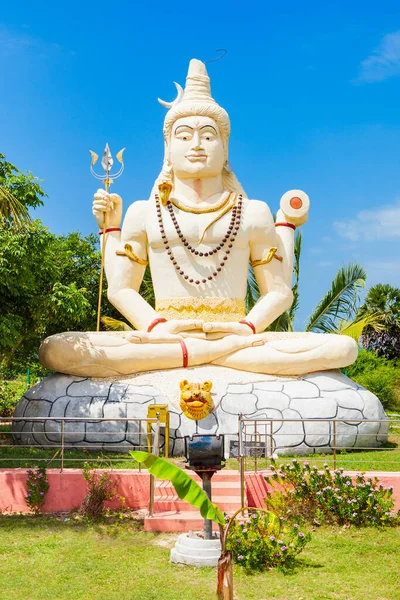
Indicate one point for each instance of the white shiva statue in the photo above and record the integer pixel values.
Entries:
(198, 231)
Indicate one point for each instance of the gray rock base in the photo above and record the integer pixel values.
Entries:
(195, 551)
(285, 400)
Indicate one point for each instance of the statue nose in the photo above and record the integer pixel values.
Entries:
(196, 145)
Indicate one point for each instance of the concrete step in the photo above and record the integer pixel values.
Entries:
(174, 515)
(173, 503)
(175, 522)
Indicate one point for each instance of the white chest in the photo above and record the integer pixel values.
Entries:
(190, 228)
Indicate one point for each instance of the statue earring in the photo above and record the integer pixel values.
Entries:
(165, 189)
(228, 167)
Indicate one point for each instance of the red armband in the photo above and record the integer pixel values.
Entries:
(285, 224)
(155, 322)
(185, 355)
(110, 229)
(249, 324)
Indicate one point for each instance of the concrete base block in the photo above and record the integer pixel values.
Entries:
(191, 549)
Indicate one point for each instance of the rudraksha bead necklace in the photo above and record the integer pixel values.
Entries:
(229, 236)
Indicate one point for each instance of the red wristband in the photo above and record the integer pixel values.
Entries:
(155, 322)
(249, 324)
(110, 229)
(185, 355)
(285, 224)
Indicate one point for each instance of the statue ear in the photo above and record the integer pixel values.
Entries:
(183, 384)
(207, 385)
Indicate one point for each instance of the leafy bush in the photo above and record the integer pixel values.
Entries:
(379, 376)
(10, 393)
(383, 383)
(331, 497)
(101, 488)
(37, 488)
(263, 541)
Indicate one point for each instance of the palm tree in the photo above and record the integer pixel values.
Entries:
(11, 209)
(340, 303)
(384, 302)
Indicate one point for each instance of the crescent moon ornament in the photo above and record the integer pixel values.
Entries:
(95, 157)
(119, 156)
(180, 91)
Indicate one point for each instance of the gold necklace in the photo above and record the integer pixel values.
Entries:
(200, 211)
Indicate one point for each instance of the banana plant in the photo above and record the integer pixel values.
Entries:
(187, 489)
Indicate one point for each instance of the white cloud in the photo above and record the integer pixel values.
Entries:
(15, 42)
(384, 61)
(386, 270)
(380, 224)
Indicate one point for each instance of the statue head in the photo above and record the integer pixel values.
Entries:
(196, 133)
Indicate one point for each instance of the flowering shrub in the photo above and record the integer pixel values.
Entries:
(264, 541)
(37, 488)
(101, 487)
(332, 497)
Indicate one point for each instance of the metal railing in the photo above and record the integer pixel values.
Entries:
(262, 438)
(258, 442)
(141, 434)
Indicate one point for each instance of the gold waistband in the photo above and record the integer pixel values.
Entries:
(206, 309)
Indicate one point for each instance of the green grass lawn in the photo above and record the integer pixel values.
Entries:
(43, 558)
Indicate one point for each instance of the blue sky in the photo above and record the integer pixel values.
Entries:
(312, 90)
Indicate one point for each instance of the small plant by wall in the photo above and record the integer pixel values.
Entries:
(37, 488)
(263, 541)
(101, 488)
(319, 495)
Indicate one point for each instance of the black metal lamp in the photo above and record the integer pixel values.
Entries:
(205, 455)
(204, 452)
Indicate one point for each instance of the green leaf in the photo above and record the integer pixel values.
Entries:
(186, 488)
(340, 302)
(115, 324)
(355, 328)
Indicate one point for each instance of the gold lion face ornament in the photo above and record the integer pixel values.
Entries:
(195, 399)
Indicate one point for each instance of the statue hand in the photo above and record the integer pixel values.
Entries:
(228, 328)
(111, 204)
(178, 326)
(164, 333)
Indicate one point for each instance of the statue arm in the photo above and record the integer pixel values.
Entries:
(275, 295)
(125, 264)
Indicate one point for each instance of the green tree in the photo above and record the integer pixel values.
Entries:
(48, 284)
(384, 302)
(18, 193)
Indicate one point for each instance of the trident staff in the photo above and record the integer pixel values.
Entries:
(107, 163)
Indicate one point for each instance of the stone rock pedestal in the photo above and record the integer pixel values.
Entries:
(191, 549)
(287, 400)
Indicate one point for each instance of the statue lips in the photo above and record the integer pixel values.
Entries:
(196, 157)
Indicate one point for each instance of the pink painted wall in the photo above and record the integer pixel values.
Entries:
(68, 489)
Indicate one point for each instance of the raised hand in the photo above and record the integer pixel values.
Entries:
(108, 204)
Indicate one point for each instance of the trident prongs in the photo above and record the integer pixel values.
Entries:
(107, 163)
(108, 178)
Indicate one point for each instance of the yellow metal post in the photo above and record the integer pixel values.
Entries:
(160, 411)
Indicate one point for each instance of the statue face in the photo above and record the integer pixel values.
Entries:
(196, 149)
